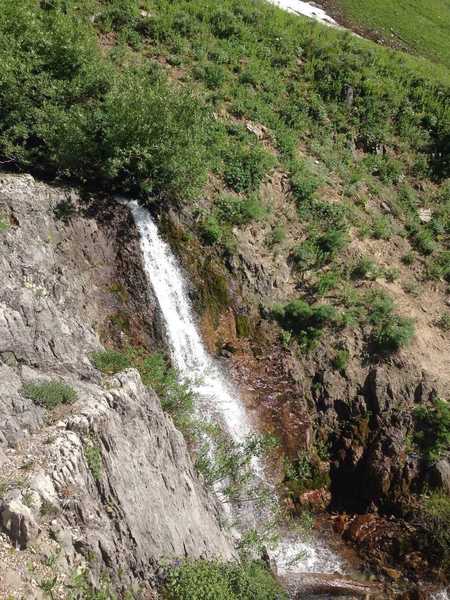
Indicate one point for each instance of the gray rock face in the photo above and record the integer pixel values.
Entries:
(108, 480)
(17, 519)
(440, 475)
(147, 502)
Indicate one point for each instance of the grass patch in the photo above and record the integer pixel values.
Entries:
(421, 27)
(49, 394)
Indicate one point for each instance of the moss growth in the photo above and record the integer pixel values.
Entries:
(244, 326)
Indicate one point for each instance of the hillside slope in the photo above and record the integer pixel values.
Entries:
(302, 176)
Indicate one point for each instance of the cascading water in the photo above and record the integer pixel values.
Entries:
(217, 399)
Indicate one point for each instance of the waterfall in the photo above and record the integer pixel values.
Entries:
(218, 400)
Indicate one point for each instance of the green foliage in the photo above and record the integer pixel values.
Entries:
(67, 109)
(423, 28)
(49, 394)
(393, 332)
(319, 249)
(229, 464)
(305, 473)
(208, 580)
(303, 183)
(93, 456)
(432, 519)
(4, 225)
(110, 361)
(237, 210)
(326, 282)
(365, 268)
(408, 259)
(211, 230)
(444, 322)
(276, 236)
(245, 167)
(176, 397)
(432, 429)
(340, 360)
(381, 228)
(305, 321)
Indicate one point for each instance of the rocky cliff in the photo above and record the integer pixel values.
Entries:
(105, 483)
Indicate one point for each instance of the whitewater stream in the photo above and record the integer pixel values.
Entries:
(217, 399)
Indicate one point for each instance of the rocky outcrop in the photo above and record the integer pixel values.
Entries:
(105, 483)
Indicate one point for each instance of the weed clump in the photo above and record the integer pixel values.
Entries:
(212, 580)
(49, 394)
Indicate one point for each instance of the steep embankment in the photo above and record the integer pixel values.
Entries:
(302, 175)
(103, 483)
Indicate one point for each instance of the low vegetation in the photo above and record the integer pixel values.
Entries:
(409, 24)
(176, 397)
(49, 394)
(432, 429)
(209, 580)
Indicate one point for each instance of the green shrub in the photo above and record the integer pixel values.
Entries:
(382, 228)
(111, 362)
(444, 322)
(68, 110)
(393, 333)
(365, 268)
(304, 320)
(245, 167)
(303, 183)
(432, 519)
(432, 429)
(209, 580)
(4, 226)
(49, 394)
(305, 473)
(276, 236)
(237, 210)
(340, 360)
(211, 230)
(423, 241)
(119, 14)
(408, 259)
(326, 282)
(93, 456)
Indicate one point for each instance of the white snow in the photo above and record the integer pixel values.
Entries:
(305, 8)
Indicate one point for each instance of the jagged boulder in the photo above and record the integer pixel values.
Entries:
(17, 519)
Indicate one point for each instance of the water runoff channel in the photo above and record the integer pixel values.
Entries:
(217, 400)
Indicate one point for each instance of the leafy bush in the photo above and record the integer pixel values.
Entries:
(393, 333)
(444, 322)
(208, 580)
(49, 394)
(303, 183)
(432, 520)
(304, 320)
(237, 210)
(66, 109)
(340, 360)
(111, 361)
(211, 230)
(432, 429)
(245, 167)
(381, 228)
(365, 268)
